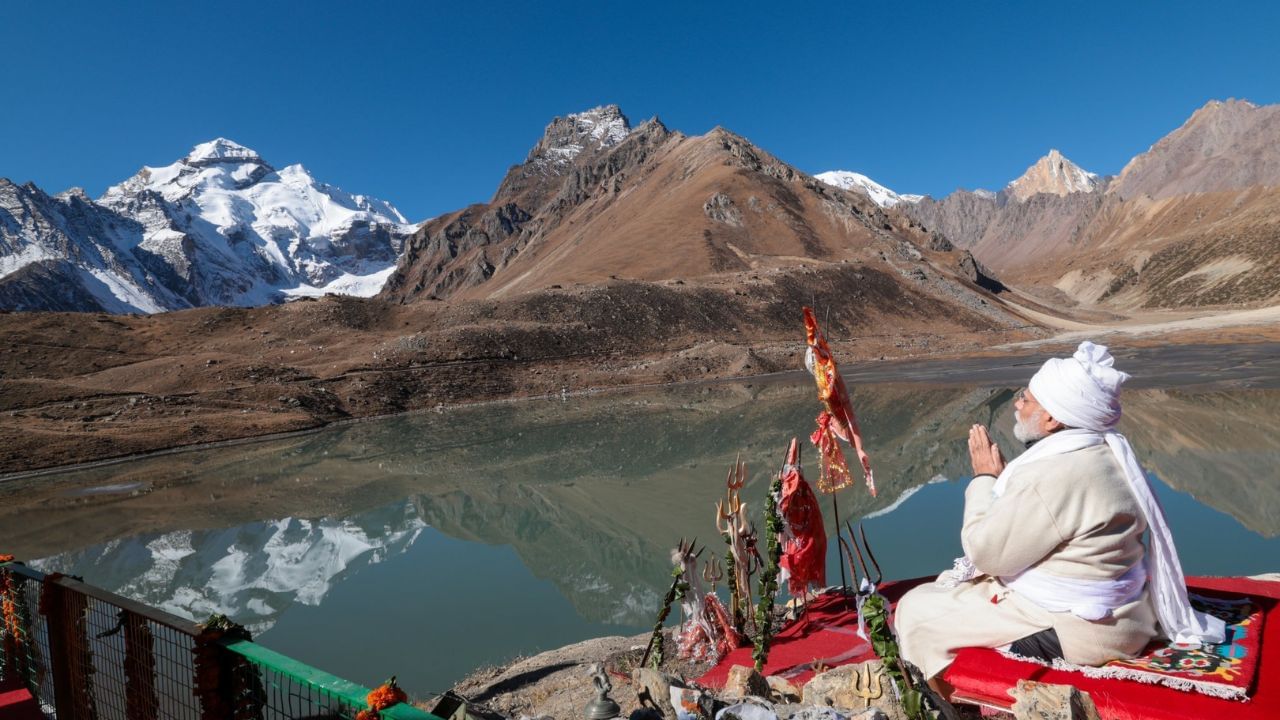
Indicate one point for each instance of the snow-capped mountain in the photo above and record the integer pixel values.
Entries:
(66, 252)
(250, 573)
(1053, 174)
(857, 182)
(219, 227)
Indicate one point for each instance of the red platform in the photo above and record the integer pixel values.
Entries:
(985, 676)
(16, 703)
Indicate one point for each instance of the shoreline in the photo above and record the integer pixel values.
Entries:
(957, 367)
(345, 422)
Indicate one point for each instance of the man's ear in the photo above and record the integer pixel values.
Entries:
(1052, 425)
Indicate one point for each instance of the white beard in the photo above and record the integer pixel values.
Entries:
(1026, 430)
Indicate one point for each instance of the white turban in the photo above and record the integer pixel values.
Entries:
(1082, 391)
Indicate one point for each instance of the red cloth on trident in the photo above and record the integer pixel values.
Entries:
(838, 420)
(804, 540)
(833, 469)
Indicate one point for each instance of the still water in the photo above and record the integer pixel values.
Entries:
(427, 545)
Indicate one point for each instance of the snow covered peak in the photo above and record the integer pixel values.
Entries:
(243, 233)
(221, 150)
(217, 163)
(857, 182)
(568, 137)
(605, 125)
(1053, 174)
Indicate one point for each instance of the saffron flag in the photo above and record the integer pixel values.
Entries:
(837, 420)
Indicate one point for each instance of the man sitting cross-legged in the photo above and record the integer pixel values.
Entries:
(1055, 565)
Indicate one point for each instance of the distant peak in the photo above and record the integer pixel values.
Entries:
(221, 150)
(1053, 174)
(857, 182)
(1216, 111)
(1229, 103)
(567, 137)
(606, 125)
(74, 192)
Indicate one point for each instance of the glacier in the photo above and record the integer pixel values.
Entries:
(221, 226)
(857, 182)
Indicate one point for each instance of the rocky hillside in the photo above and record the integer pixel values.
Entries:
(1190, 222)
(219, 227)
(1231, 145)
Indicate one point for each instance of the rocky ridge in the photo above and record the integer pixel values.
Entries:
(1189, 223)
(1224, 146)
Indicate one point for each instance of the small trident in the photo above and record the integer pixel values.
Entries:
(712, 572)
(862, 685)
(732, 522)
(735, 481)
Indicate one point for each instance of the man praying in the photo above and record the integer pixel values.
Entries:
(1055, 565)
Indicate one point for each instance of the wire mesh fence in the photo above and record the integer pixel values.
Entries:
(87, 654)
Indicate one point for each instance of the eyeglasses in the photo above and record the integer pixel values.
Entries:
(1020, 396)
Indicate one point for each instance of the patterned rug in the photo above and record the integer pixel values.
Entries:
(1226, 670)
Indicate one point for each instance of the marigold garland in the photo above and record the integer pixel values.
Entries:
(227, 685)
(12, 628)
(381, 698)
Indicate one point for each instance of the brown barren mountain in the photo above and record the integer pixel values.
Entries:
(1229, 145)
(1192, 222)
(651, 204)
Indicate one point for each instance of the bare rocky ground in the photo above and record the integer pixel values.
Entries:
(85, 387)
(556, 683)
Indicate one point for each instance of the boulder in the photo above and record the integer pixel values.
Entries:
(1042, 701)
(782, 690)
(745, 681)
(653, 691)
(978, 274)
(854, 689)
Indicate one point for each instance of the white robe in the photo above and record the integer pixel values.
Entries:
(1070, 515)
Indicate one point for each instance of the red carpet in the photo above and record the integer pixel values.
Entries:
(826, 633)
(985, 676)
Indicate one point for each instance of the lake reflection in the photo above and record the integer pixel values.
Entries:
(426, 545)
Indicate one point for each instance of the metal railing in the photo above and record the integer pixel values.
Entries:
(88, 654)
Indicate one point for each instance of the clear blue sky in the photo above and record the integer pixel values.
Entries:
(426, 104)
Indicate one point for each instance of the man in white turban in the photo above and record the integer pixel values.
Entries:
(1055, 565)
